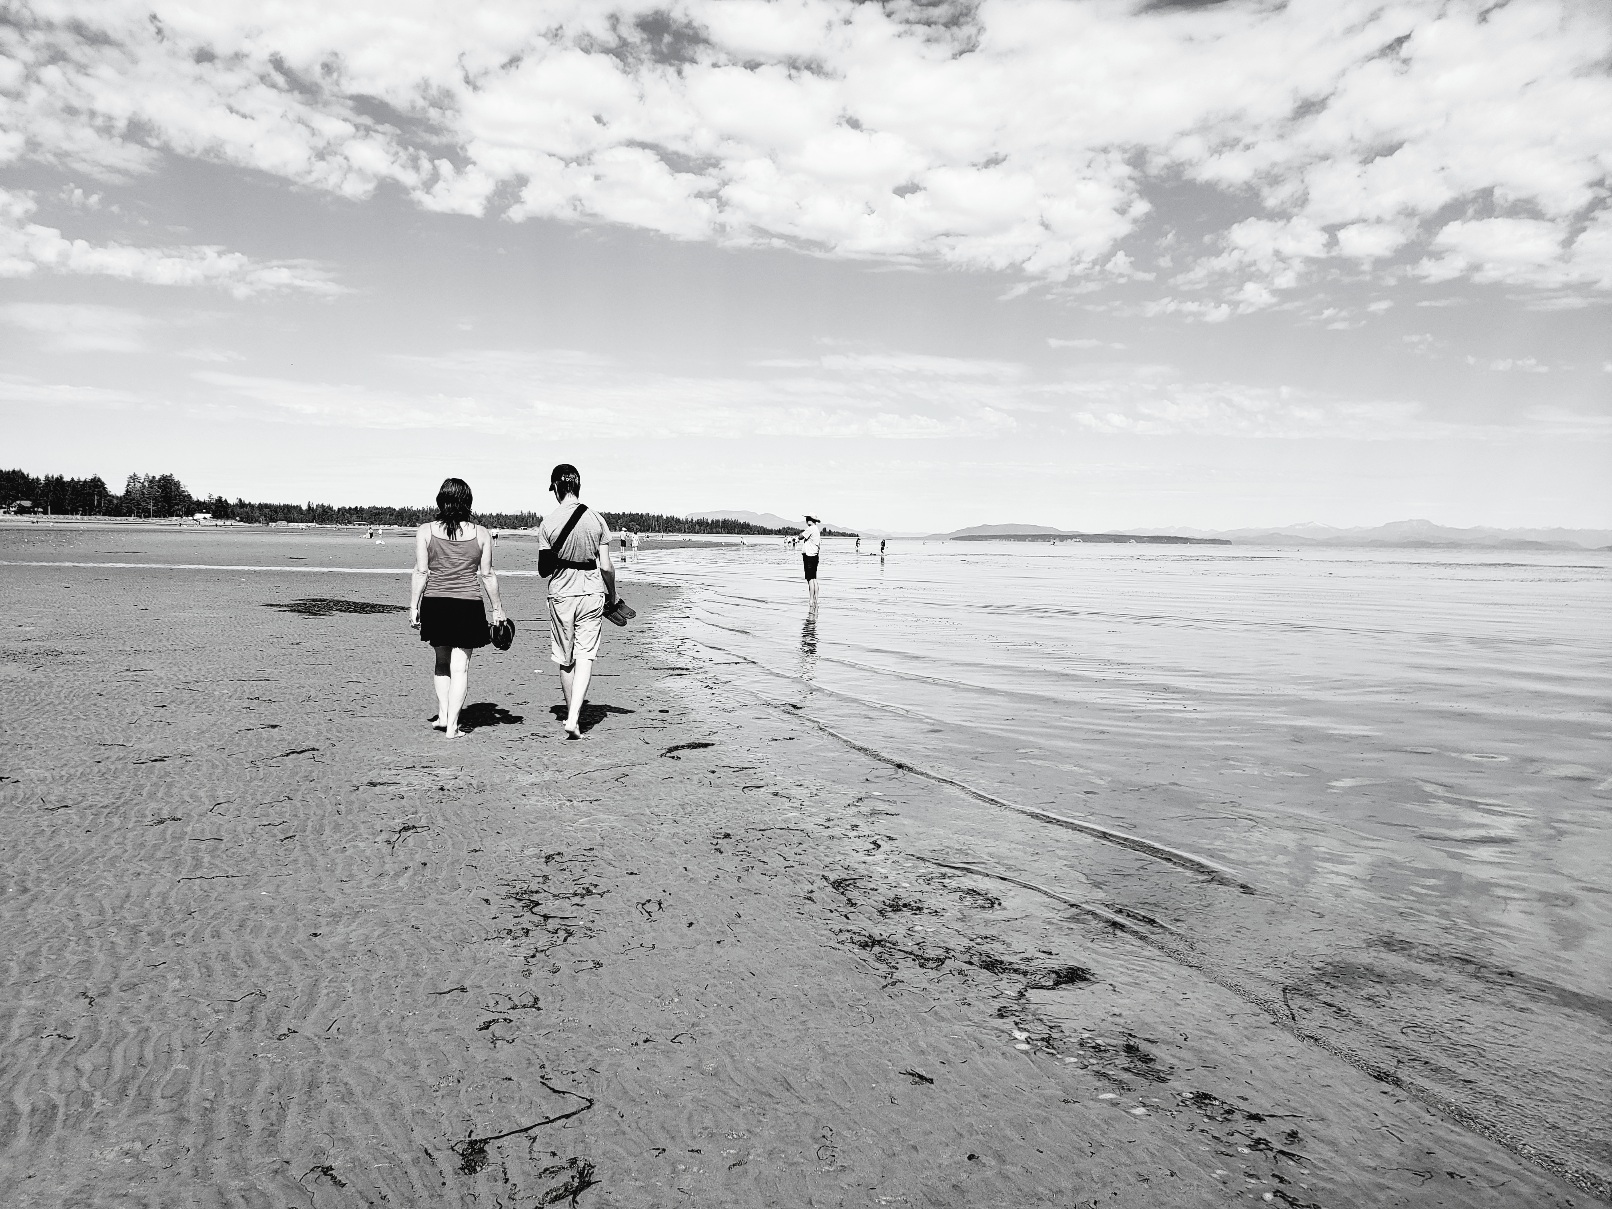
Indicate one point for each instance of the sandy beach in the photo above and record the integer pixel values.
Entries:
(271, 941)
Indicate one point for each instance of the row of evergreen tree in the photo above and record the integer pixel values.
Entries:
(163, 495)
(150, 495)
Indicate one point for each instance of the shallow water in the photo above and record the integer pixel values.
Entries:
(1404, 753)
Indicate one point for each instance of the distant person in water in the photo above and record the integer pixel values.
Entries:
(453, 566)
(581, 590)
(810, 544)
(881, 549)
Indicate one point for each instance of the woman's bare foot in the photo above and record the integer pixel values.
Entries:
(438, 724)
(572, 731)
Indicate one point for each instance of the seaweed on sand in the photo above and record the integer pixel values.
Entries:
(324, 606)
(472, 1151)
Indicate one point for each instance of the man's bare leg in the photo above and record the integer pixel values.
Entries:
(458, 688)
(576, 697)
(567, 676)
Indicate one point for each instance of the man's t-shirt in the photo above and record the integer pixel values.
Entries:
(581, 545)
(811, 539)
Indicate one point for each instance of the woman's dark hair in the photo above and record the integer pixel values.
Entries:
(453, 505)
(565, 480)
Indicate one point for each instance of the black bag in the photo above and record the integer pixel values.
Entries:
(503, 634)
(548, 561)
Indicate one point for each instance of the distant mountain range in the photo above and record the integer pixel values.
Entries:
(1415, 534)
(1042, 533)
(1001, 531)
(1412, 534)
(771, 520)
(1401, 534)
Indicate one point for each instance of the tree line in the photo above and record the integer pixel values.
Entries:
(163, 495)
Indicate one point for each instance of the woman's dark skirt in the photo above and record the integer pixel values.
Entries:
(447, 621)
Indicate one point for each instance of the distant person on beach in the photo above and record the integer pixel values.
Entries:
(453, 565)
(810, 544)
(881, 549)
(581, 590)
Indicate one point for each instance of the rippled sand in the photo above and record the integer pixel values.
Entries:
(269, 940)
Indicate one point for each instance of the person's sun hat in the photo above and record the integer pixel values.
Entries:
(814, 520)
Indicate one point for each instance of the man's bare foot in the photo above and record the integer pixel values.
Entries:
(572, 731)
(438, 724)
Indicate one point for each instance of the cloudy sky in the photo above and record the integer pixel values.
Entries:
(1091, 263)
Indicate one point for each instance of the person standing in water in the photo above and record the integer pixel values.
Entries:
(453, 565)
(581, 590)
(810, 544)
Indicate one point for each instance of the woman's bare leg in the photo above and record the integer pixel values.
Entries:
(440, 683)
(458, 687)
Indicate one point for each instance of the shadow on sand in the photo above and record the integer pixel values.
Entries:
(591, 714)
(485, 713)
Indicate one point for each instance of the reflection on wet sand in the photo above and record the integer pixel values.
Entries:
(808, 646)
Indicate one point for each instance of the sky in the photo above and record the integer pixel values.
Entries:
(911, 266)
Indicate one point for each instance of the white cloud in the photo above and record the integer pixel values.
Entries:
(573, 396)
(1370, 240)
(576, 396)
(1019, 134)
(16, 388)
(28, 247)
(72, 328)
(1493, 249)
(1082, 343)
(1526, 365)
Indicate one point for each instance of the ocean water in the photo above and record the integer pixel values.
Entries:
(1404, 756)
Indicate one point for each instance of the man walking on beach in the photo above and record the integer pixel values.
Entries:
(581, 588)
(810, 543)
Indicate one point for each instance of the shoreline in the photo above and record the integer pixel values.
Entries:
(268, 933)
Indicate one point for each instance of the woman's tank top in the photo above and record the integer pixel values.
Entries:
(452, 568)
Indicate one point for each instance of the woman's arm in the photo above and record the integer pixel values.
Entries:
(422, 569)
(489, 581)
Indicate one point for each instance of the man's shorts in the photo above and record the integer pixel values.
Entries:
(811, 566)
(574, 625)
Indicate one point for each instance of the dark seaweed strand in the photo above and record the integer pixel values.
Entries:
(472, 1151)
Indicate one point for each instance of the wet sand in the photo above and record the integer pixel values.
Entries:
(270, 940)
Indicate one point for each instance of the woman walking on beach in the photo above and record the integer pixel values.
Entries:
(453, 563)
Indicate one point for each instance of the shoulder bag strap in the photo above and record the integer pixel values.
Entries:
(566, 531)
